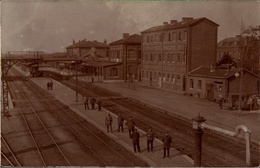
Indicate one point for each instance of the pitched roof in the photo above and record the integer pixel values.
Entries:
(133, 39)
(88, 44)
(179, 24)
(216, 73)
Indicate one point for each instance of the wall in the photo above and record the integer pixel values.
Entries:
(203, 45)
(107, 76)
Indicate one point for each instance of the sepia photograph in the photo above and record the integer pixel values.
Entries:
(130, 83)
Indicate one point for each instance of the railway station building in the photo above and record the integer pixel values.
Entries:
(128, 52)
(210, 83)
(171, 50)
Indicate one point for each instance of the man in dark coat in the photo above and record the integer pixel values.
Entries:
(86, 102)
(120, 122)
(92, 102)
(48, 85)
(150, 139)
(131, 125)
(167, 140)
(109, 122)
(135, 140)
(99, 104)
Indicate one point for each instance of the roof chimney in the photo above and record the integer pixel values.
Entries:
(73, 41)
(125, 35)
(186, 19)
(165, 23)
(173, 21)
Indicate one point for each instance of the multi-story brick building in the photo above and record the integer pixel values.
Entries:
(171, 50)
(244, 49)
(127, 51)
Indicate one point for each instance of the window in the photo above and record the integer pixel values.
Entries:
(113, 72)
(199, 84)
(173, 79)
(184, 57)
(159, 57)
(163, 77)
(169, 37)
(168, 77)
(155, 38)
(154, 76)
(179, 35)
(185, 35)
(191, 83)
(178, 79)
(168, 58)
(173, 36)
(178, 57)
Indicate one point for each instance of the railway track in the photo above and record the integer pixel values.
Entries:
(99, 150)
(214, 145)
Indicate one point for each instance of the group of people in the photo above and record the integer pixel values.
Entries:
(92, 101)
(49, 85)
(135, 135)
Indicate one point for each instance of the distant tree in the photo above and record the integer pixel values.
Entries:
(226, 59)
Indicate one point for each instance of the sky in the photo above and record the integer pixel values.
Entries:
(51, 25)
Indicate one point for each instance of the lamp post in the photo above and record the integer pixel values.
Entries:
(237, 75)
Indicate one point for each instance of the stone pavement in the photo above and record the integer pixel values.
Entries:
(97, 118)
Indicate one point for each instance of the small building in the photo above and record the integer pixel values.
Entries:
(89, 50)
(209, 83)
(128, 52)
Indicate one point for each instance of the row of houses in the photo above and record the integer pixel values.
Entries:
(177, 56)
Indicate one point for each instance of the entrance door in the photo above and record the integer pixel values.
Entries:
(151, 78)
(184, 84)
(210, 91)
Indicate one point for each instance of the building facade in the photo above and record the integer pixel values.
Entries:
(171, 50)
(211, 84)
(89, 50)
(128, 52)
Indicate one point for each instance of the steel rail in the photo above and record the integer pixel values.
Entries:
(10, 150)
(82, 88)
(6, 158)
(42, 125)
(30, 131)
(83, 127)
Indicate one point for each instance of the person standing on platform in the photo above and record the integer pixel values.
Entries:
(120, 121)
(109, 122)
(167, 140)
(136, 137)
(86, 102)
(48, 85)
(51, 84)
(92, 102)
(131, 125)
(150, 139)
(99, 103)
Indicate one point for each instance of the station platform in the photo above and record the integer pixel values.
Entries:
(97, 118)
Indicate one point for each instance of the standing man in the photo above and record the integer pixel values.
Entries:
(167, 140)
(51, 84)
(131, 125)
(135, 140)
(48, 85)
(120, 121)
(92, 102)
(150, 139)
(109, 122)
(99, 103)
(86, 102)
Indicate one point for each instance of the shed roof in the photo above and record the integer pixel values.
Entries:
(133, 39)
(88, 44)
